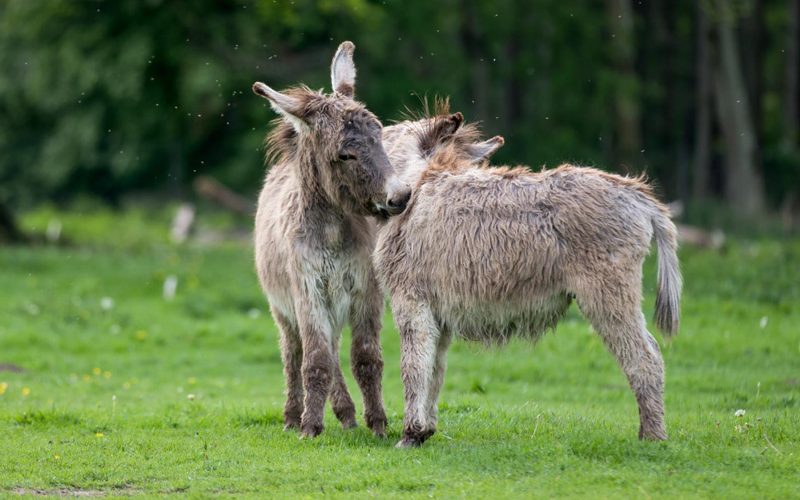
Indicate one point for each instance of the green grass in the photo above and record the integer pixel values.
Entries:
(103, 404)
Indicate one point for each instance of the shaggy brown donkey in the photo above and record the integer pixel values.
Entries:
(489, 253)
(313, 240)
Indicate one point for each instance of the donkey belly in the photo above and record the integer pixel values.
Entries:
(335, 284)
(497, 322)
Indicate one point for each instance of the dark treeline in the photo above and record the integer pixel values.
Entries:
(109, 98)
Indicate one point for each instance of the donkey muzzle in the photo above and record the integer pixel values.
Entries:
(397, 200)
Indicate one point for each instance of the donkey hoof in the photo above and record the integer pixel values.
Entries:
(653, 435)
(378, 426)
(349, 424)
(310, 431)
(652, 432)
(291, 423)
(408, 442)
(414, 439)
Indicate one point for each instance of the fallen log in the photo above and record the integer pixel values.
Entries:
(213, 190)
(695, 236)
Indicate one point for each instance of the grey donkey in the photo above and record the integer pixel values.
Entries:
(489, 253)
(314, 235)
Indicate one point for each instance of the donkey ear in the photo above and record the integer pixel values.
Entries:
(441, 129)
(290, 108)
(446, 127)
(480, 152)
(343, 71)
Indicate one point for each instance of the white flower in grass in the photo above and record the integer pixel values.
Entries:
(739, 413)
(106, 303)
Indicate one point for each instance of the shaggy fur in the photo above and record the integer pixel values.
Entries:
(313, 240)
(491, 253)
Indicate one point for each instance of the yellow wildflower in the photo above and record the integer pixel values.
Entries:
(3, 387)
(98, 434)
(97, 371)
(26, 391)
(106, 374)
(141, 335)
(192, 380)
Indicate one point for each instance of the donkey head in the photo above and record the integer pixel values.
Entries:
(413, 144)
(336, 142)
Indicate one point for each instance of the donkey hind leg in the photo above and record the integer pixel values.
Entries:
(419, 337)
(437, 379)
(365, 356)
(620, 322)
(292, 356)
(342, 403)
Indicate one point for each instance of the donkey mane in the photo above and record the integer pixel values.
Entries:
(450, 155)
(451, 158)
(639, 183)
(426, 124)
(441, 106)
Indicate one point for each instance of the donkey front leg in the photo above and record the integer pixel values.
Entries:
(292, 357)
(437, 379)
(341, 402)
(419, 337)
(317, 372)
(318, 366)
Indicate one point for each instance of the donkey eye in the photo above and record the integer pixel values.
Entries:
(346, 157)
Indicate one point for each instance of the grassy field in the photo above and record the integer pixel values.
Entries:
(106, 387)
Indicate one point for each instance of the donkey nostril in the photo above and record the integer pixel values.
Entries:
(398, 201)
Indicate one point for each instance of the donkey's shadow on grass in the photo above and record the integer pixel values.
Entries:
(533, 434)
(356, 437)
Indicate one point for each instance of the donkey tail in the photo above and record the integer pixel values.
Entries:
(667, 314)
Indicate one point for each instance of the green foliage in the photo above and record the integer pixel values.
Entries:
(103, 405)
(110, 97)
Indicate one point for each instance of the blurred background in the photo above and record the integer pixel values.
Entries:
(137, 352)
(127, 103)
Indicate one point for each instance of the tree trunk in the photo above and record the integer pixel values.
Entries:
(473, 41)
(791, 108)
(9, 231)
(675, 180)
(753, 48)
(744, 188)
(514, 98)
(626, 105)
(702, 110)
(176, 168)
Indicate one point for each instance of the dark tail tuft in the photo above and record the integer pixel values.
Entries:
(668, 307)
